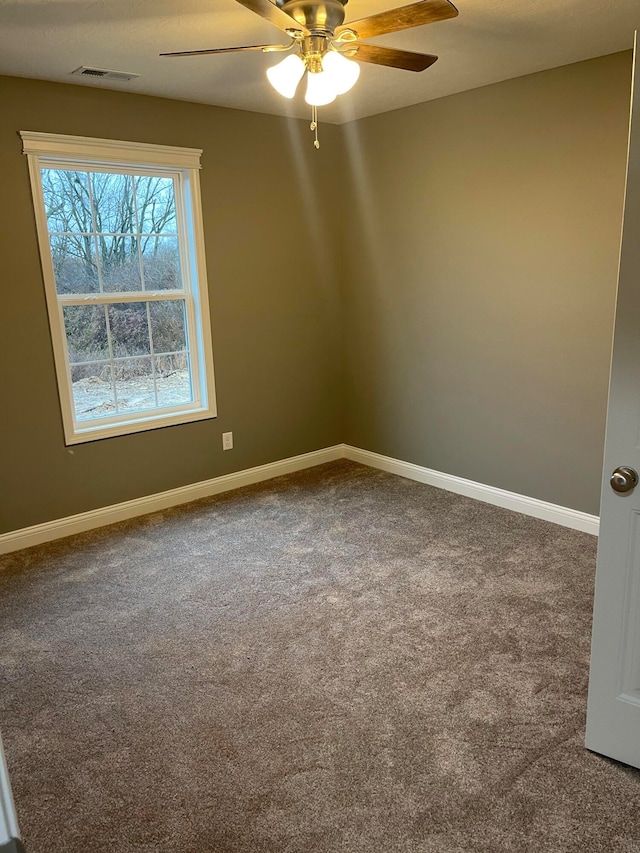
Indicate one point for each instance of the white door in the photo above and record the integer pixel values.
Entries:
(613, 714)
(9, 835)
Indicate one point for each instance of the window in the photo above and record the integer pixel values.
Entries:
(120, 233)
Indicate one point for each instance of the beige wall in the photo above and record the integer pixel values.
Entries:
(273, 294)
(480, 279)
(476, 254)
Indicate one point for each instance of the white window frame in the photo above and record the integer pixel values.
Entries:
(50, 150)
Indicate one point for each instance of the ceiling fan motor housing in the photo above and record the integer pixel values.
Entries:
(322, 17)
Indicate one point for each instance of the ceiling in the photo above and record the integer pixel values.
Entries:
(491, 40)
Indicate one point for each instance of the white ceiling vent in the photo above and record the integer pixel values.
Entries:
(105, 73)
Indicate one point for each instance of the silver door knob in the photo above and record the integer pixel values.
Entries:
(624, 479)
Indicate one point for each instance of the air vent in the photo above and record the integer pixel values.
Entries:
(105, 73)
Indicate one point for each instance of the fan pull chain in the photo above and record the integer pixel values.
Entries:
(314, 126)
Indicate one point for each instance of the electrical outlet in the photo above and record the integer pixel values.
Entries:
(227, 441)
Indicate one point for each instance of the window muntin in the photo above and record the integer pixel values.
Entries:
(122, 257)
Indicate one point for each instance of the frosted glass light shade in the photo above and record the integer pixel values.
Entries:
(285, 76)
(320, 89)
(343, 72)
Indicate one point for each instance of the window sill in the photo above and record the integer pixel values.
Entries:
(80, 435)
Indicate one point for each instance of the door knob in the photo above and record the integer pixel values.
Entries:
(623, 479)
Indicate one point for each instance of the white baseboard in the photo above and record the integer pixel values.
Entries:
(50, 530)
(489, 494)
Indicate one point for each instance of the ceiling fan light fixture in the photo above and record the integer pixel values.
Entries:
(323, 46)
(343, 72)
(320, 89)
(285, 76)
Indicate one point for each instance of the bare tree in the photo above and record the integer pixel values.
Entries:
(115, 232)
(110, 221)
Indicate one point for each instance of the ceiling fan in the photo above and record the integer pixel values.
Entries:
(325, 48)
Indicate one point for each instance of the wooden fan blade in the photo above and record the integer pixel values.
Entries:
(403, 18)
(265, 47)
(393, 58)
(274, 14)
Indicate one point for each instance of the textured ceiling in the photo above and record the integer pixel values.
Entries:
(491, 40)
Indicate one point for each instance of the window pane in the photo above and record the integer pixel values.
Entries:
(86, 329)
(66, 200)
(168, 326)
(113, 203)
(92, 388)
(74, 263)
(134, 382)
(161, 261)
(173, 379)
(119, 263)
(129, 329)
(156, 205)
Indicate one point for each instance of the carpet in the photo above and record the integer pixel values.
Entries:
(336, 661)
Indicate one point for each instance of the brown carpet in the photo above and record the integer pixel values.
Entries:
(338, 660)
